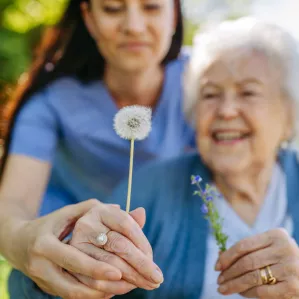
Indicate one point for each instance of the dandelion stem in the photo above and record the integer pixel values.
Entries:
(130, 177)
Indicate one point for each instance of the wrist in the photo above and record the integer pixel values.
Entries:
(14, 240)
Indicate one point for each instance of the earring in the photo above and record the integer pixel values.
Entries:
(49, 67)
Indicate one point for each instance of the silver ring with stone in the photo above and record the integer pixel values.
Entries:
(102, 239)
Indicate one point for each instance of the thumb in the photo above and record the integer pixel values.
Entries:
(66, 217)
(139, 216)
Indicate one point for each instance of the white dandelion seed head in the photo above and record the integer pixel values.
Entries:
(133, 122)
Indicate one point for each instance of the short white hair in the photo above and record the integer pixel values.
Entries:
(245, 33)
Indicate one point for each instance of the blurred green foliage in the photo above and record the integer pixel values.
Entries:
(21, 23)
(4, 273)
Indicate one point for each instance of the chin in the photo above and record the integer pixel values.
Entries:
(138, 62)
(228, 166)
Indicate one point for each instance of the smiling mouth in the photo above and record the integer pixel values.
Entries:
(229, 137)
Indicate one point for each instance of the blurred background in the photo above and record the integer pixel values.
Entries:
(23, 21)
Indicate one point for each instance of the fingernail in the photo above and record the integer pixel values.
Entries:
(220, 279)
(222, 289)
(111, 275)
(157, 276)
(218, 266)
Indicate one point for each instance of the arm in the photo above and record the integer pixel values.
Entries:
(23, 184)
(33, 244)
(27, 169)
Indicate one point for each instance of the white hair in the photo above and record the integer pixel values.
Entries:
(245, 33)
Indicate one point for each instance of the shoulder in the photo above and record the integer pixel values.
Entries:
(289, 159)
(67, 89)
(64, 88)
(67, 97)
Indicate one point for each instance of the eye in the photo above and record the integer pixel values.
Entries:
(112, 9)
(210, 96)
(248, 93)
(152, 6)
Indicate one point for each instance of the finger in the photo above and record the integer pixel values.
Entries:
(68, 215)
(119, 245)
(286, 289)
(123, 223)
(125, 249)
(115, 205)
(129, 274)
(243, 247)
(281, 271)
(73, 260)
(64, 285)
(139, 216)
(241, 284)
(87, 230)
(110, 287)
(250, 262)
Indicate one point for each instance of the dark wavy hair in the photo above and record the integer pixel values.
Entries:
(69, 50)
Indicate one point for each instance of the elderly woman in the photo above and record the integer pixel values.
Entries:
(241, 90)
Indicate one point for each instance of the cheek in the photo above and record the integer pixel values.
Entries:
(106, 28)
(269, 122)
(163, 26)
(267, 125)
(161, 38)
(204, 120)
(205, 113)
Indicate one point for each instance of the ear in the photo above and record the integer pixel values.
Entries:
(88, 19)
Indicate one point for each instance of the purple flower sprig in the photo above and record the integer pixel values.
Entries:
(209, 210)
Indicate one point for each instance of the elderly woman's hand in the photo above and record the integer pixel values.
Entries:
(125, 248)
(245, 264)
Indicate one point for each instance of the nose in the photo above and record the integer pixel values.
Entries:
(228, 106)
(134, 22)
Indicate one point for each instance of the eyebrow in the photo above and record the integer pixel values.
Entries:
(205, 83)
(250, 80)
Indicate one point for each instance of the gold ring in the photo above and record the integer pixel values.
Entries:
(264, 276)
(270, 277)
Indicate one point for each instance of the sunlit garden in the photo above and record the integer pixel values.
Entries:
(21, 25)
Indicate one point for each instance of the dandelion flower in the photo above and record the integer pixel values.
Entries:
(133, 122)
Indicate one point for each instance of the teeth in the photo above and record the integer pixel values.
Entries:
(228, 136)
